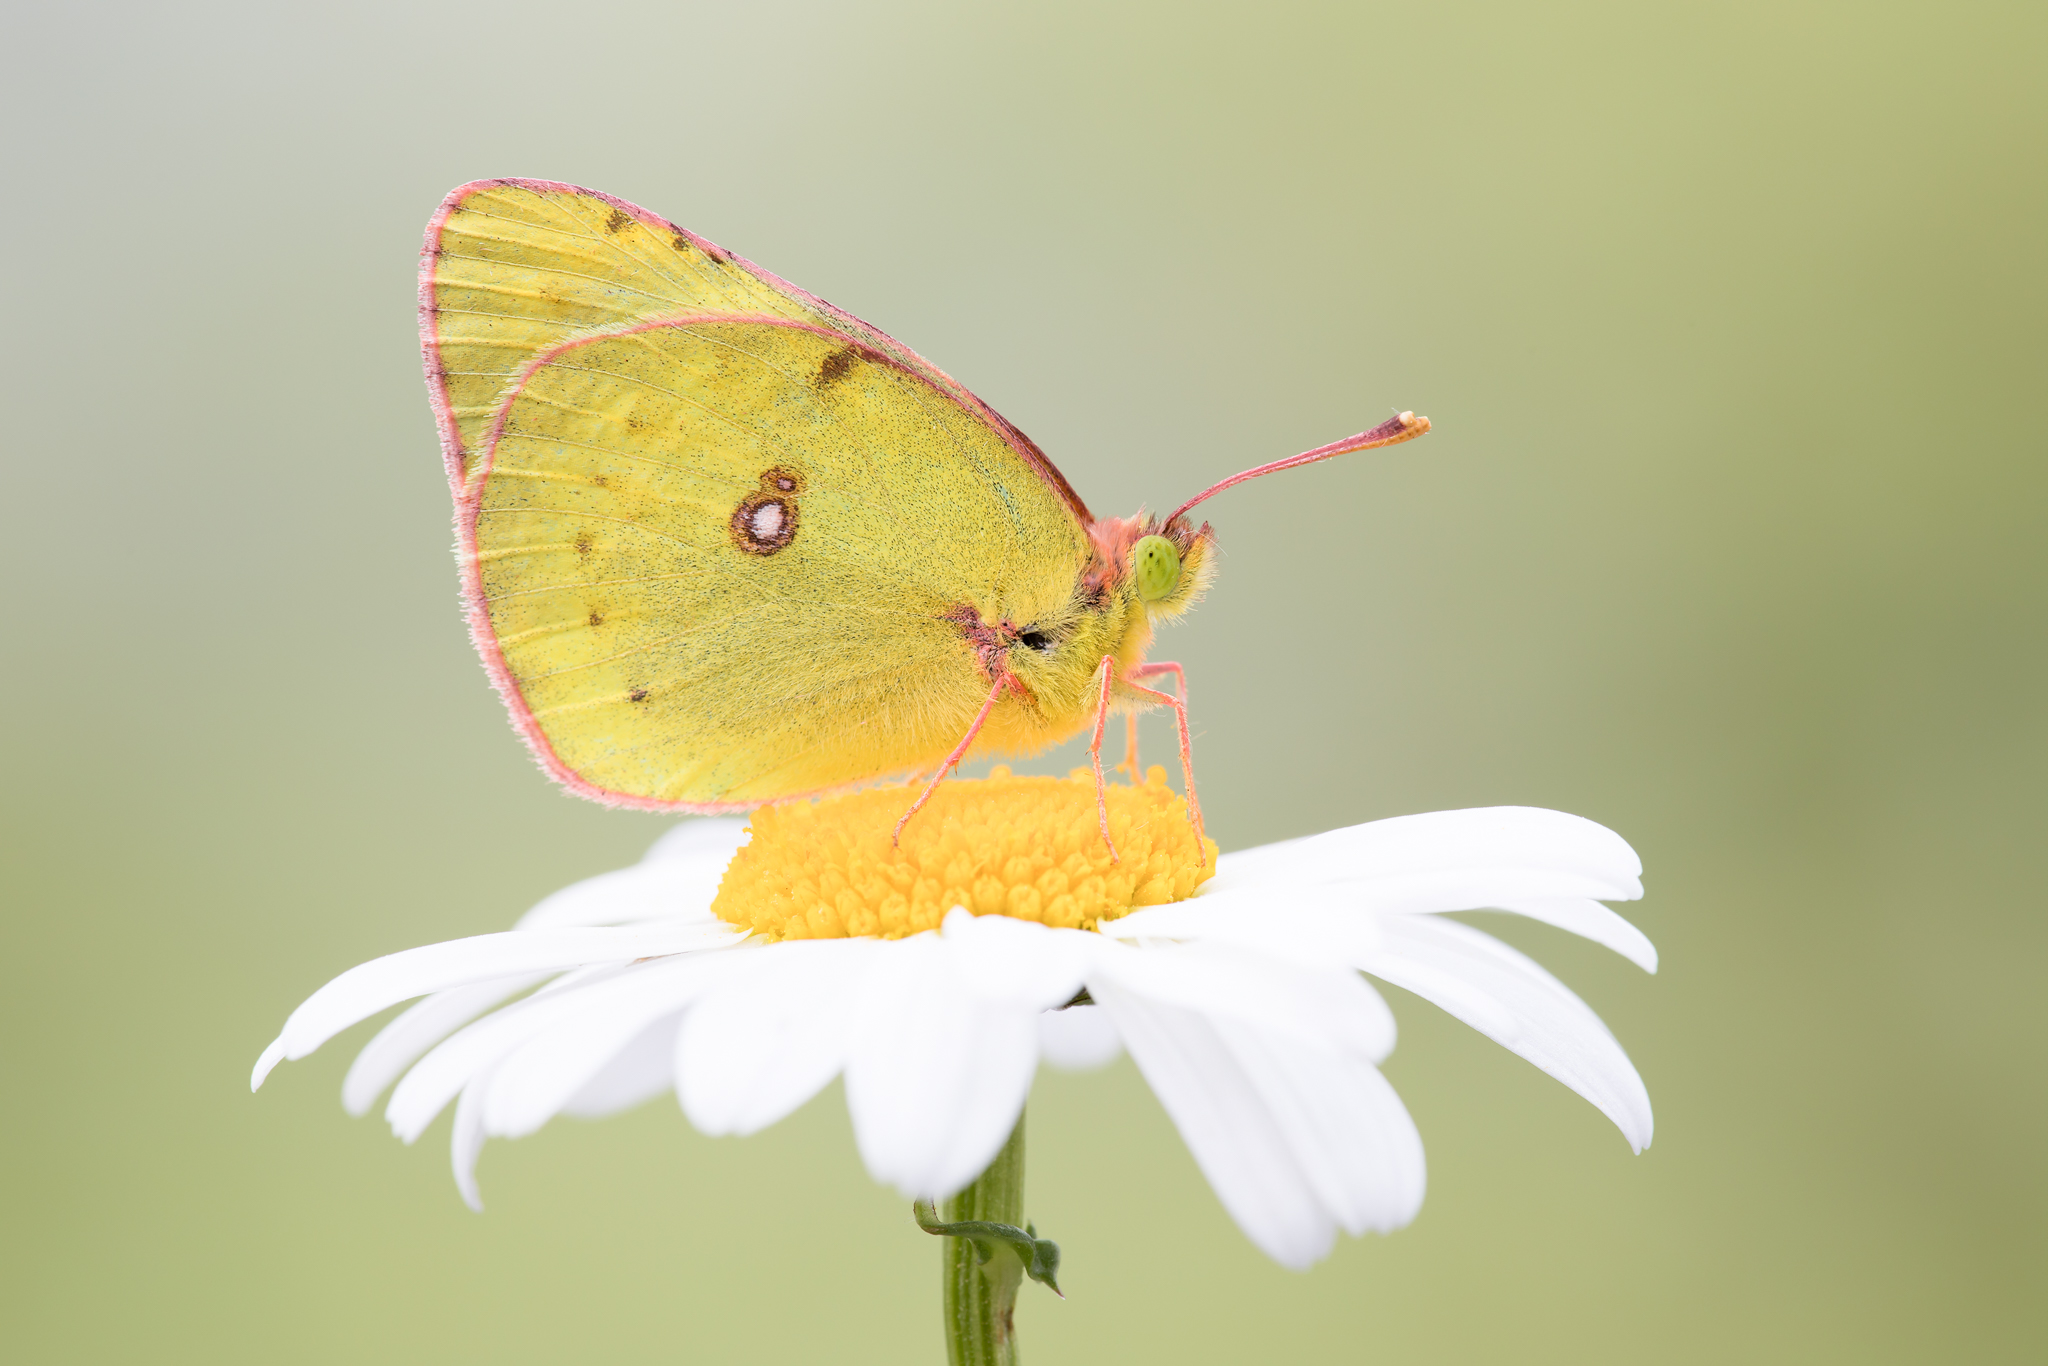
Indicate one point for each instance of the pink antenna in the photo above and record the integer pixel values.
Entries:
(1392, 432)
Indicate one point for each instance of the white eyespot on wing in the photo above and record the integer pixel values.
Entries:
(767, 523)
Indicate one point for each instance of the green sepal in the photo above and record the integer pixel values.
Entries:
(1041, 1256)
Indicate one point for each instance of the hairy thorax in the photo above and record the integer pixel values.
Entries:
(1043, 653)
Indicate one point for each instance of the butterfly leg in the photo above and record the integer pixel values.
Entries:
(953, 759)
(1180, 712)
(1180, 685)
(1108, 672)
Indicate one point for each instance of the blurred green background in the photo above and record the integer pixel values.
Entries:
(1730, 536)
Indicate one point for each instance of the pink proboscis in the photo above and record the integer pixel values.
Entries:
(1405, 427)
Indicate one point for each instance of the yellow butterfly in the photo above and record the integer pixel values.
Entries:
(724, 544)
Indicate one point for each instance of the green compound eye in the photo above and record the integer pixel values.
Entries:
(1157, 565)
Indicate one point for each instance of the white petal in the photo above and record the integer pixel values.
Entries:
(437, 1077)
(942, 1057)
(707, 838)
(1234, 1137)
(678, 877)
(767, 1040)
(1448, 860)
(1591, 920)
(1078, 1039)
(642, 1070)
(364, 990)
(680, 885)
(1003, 958)
(930, 1112)
(399, 1044)
(466, 1143)
(532, 1083)
(1348, 1130)
(1511, 1000)
(466, 1056)
(1314, 926)
(541, 1077)
(1323, 1004)
(645, 891)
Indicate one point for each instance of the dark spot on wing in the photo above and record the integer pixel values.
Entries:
(618, 221)
(763, 523)
(597, 618)
(835, 367)
(637, 695)
(681, 244)
(782, 479)
(766, 521)
(585, 543)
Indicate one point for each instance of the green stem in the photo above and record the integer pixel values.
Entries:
(981, 1295)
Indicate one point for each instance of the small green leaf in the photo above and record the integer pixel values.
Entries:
(1040, 1256)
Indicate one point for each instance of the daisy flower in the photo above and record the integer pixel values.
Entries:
(745, 966)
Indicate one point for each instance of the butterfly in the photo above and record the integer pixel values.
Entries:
(724, 544)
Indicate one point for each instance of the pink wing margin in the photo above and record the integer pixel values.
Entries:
(467, 492)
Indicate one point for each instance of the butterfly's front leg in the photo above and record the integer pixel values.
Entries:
(1180, 712)
(1107, 670)
(1180, 686)
(1003, 681)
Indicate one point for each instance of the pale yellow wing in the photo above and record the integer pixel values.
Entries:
(718, 560)
(512, 266)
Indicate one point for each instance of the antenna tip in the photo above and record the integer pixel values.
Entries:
(1392, 432)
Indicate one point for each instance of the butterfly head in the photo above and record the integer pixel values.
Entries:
(1157, 570)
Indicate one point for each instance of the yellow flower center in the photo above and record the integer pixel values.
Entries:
(1026, 847)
